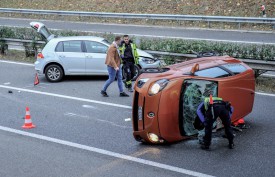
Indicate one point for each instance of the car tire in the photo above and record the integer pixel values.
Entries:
(135, 77)
(208, 54)
(54, 73)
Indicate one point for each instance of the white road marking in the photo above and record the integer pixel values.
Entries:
(100, 120)
(89, 106)
(265, 94)
(128, 119)
(67, 97)
(18, 63)
(7, 83)
(75, 115)
(105, 152)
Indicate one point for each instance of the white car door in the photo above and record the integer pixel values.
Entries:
(72, 57)
(95, 58)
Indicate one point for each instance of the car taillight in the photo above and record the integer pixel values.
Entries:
(36, 26)
(40, 55)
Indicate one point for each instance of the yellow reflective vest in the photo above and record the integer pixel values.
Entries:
(134, 51)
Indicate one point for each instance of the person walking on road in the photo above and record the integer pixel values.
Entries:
(129, 58)
(208, 112)
(114, 68)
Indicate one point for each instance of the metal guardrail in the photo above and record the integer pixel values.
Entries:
(146, 16)
(255, 64)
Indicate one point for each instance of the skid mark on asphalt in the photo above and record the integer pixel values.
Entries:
(69, 114)
(108, 153)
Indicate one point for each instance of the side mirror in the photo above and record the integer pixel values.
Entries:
(195, 68)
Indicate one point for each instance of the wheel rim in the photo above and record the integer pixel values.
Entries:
(53, 73)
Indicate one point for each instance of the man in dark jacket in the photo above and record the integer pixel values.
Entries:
(208, 112)
(129, 57)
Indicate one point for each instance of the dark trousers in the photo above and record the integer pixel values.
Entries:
(221, 112)
(129, 69)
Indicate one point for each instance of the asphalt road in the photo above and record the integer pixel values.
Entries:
(80, 133)
(241, 36)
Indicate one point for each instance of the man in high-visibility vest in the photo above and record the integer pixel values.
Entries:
(208, 112)
(129, 57)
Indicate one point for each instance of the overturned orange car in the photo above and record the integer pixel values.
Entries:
(166, 99)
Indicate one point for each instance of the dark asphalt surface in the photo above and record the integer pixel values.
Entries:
(104, 127)
(244, 36)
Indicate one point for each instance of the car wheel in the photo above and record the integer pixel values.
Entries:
(137, 73)
(54, 73)
(208, 54)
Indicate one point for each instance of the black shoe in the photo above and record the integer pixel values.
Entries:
(130, 89)
(204, 147)
(103, 93)
(123, 94)
(231, 145)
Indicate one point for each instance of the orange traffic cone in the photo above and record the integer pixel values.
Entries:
(36, 80)
(28, 122)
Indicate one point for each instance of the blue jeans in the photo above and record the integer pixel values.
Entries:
(112, 76)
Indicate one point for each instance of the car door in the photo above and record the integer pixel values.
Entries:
(239, 89)
(41, 29)
(71, 55)
(95, 58)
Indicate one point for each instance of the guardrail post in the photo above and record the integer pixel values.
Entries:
(209, 25)
(239, 25)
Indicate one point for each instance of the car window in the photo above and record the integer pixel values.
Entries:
(214, 72)
(59, 47)
(106, 41)
(235, 68)
(44, 32)
(95, 47)
(194, 92)
(72, 46)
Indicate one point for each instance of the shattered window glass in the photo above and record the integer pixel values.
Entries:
(194, 93)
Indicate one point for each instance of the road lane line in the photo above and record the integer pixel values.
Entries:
(106, 152)
(100, 120)
(265, 94)
(128, 119)
(18, 63)
(67, 97)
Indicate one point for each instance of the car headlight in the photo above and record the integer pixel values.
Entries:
(158, 86)
(141, 82)
(153, 137)
(148, 60)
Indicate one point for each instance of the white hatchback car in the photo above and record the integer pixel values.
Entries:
(78, 55)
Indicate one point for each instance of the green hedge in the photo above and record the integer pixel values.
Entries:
(238, 50)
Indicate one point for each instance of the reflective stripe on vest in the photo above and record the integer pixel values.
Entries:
(207, 100)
